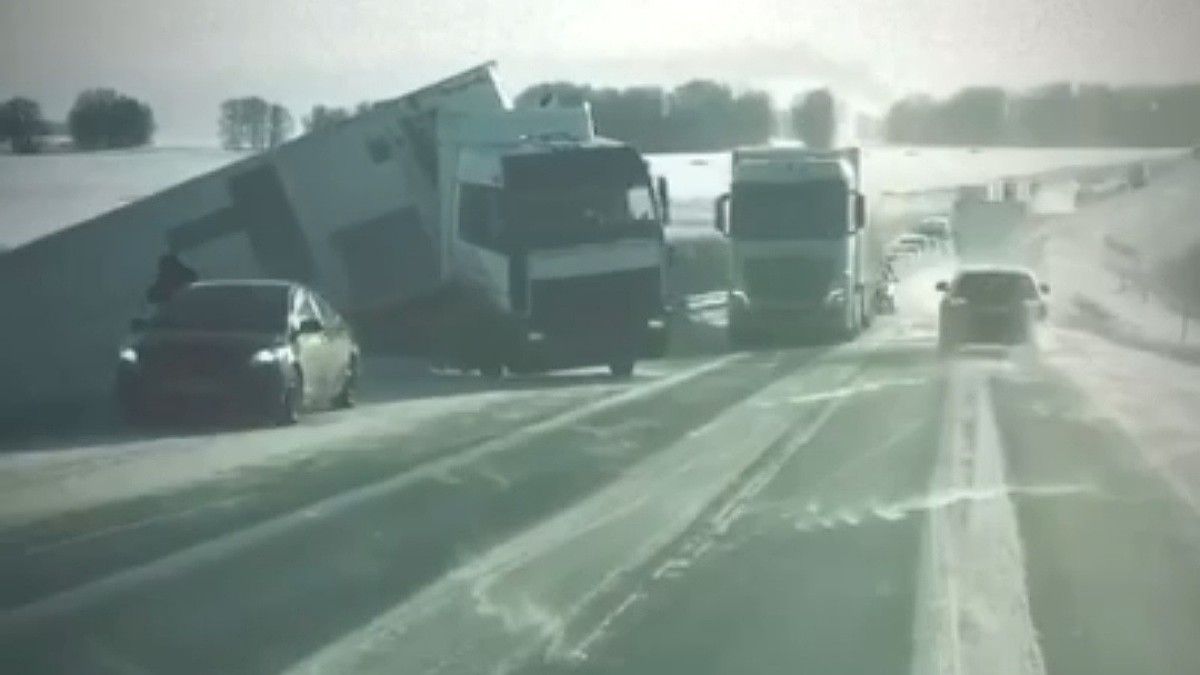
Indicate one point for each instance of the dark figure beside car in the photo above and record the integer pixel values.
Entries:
(268, 348)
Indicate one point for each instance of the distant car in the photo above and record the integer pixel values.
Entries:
(990, 305)
(269, 348)
(910, 243)
(935, 228)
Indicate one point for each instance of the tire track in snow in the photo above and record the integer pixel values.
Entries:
(536, 593)
(972, 604)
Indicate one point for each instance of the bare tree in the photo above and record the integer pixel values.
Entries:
(246, 122)
(322, 116)
(281, 125)
(22, 125)
(814, 119)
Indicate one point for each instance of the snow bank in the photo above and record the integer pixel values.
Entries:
(1123, 348)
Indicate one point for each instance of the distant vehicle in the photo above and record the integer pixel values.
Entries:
(936, 228)
(885, 292)
(801, 252)
(994, 305)
(909, 244)
(269, 348)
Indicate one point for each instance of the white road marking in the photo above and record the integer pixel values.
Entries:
(972, 609)
(74, 600)
(530, 594)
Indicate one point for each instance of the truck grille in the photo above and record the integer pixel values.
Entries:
(793, 279)
(595, 301)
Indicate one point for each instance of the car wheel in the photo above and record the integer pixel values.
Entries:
(345, 396)
(287, 405)
(492, 371)
(621, 369)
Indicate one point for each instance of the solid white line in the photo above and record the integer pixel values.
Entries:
(180, 562)
(972, 607)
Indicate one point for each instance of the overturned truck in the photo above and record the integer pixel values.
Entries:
(443, 223)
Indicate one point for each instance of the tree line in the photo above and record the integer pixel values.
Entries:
(697, 116)
(1060, 114)
(253, 123)
(100, 119)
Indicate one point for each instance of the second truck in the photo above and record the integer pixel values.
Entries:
(801, 256)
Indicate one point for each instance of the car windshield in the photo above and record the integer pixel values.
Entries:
(995, 287)
(810, 210)
(226, 309)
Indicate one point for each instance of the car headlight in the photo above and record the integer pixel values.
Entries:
(128, 355)
(272, 355)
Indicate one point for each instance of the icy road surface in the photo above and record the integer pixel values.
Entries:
(860, 508)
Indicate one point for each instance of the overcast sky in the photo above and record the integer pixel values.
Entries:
(184, 56)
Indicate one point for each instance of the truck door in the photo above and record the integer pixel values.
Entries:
(262, 208)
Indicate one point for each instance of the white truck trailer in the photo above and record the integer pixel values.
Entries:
(801, 254)
(443, 223)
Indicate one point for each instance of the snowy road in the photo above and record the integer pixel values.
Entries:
(862, 508)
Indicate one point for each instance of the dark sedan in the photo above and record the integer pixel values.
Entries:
(270, 348)
(990, 305)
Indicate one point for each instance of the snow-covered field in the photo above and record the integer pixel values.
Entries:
(1124, 349)
(41, 194)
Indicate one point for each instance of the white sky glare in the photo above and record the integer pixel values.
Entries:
(184, 56)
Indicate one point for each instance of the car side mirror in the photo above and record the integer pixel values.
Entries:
(139, 324)
(942, 286)
(1044, 288)
(310, 327)
(721, 214)
(860, 212)
(664, 198)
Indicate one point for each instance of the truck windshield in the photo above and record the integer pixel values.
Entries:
(536, 218)
(811, 210)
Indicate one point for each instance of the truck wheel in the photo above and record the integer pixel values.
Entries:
(621, 369)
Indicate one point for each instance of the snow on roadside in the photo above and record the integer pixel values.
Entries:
(36, 483)
(1122, 349)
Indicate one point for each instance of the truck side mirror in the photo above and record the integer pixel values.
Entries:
(720, 210)
(664, 198)
(860, 211)
(942, 286)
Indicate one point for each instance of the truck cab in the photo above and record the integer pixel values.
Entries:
(560, 234)
(796, 221)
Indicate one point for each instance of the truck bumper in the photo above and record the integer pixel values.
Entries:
(542, 349)
(765, 317)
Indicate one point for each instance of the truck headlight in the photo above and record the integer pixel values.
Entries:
(128, 355)
(270, 355)
(836, 295)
